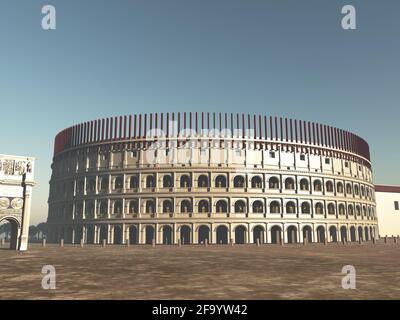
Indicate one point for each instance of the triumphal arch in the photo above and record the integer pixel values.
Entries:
(16, 182)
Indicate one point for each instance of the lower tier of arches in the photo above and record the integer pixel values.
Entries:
(212, 233)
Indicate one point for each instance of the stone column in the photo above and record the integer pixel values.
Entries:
(24, 233)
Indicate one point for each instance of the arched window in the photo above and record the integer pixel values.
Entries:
(305, 207)
(150, 206)
(362, 191)
(240, 206)
(118, 207)
(167, 206)
(358, 210)
(290, 207)
(317, 185)
(150, 182)
(274, 207)
(364, 211)
(273, 183)
(119, 183)
(356, 190)
(339, 187)
(203, 206)
(220, 181)
(289, 184)
(258, 207)
(221, 206)
(349, 189)
(331, 208)
(79, 186)
(90, 210)
(133, 206)
(167, 181)
(91, 185)
(202, 182)
(350, 210)
(103, 207)
(342, 209)
(329, 186)
(304, 185)
(133, 183)
(319, 208)
(104, 184)
(256, 182)
(186, 206)
(238, 182)
(185, 181)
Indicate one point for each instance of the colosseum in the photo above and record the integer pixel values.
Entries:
(216, 178)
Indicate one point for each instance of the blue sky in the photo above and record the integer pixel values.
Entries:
(109, 58)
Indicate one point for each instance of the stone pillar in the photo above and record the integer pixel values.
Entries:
(24, 233)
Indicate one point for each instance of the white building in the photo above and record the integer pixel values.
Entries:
(388, 209)
(16, 182)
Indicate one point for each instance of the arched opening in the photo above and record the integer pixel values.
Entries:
(167, 181)
(353, 237)
(305, 207)
(342, 210)
(292, 234)
(69, 236)
(220, 181)
(185, 181)
(321, 234)
(350, 210)
(304, 185)
(203, 206)
(273, 183)
(133, 235)
(290, 207)
(133, 182)
(343, 233)
(9, 232)
(103, 234)
(202, 181)
(329, 186)
(319, 208)
(256, 182)
(103, 208)
(117, 235)
(167, 234)
(167, 206)
(90, 235)
(117, 207)
(356, 190)
(339, 187)
(289, 184)
(274, 207)
(222, 235)
(366, 234)
(133, 206)
(240, 206)
(258, 207)
(360, 233)
(358, 210)
(150, 206)
(349, 189)
(150, 182)
(119, 183)
(333, 234)
(240, 235)
(185, 235)
(91, 185)
(149, 233)
(204, 234)
(317, 185)
(307, 234)
(221, 206)
(238, 182)
(331, 208)
(104, 184)
(186, 206)
(276, 234)
(258, 234)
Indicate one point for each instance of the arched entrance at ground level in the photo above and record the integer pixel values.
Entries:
(69, 235)
(366, 233)
(78, 234)
(321, 234)
(258, 233)
(90, 235)
(343, 233)
(240, 235)
(185, 235)
(353, 234)
(360, 233)
(222, 235)
(133, 235)
(291, 234)
(333, 234)
(307, 233)
(103, 234)
(149, 234)
(204, 234)
(276, 234)
(167, 234)
(117, 235)
(9, 231)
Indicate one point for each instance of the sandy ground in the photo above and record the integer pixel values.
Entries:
(198, 272)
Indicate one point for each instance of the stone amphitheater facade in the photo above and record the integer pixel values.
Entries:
(192, 178)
